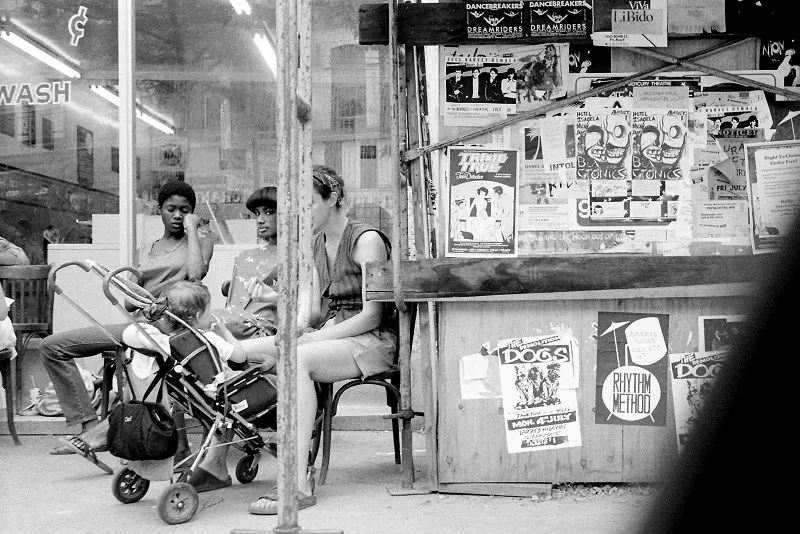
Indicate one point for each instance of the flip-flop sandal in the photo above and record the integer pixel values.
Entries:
(268, 504)
(79, 447)
(62, 450)
(203, 481)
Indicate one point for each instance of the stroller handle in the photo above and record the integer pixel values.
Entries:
(51, 278)
(107, 279)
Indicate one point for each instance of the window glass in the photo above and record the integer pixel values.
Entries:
(207, 99)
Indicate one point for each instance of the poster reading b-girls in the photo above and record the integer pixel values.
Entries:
(483, 202)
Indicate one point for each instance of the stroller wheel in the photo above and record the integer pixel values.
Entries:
(178, 503)
(246, 469)
(128, 487)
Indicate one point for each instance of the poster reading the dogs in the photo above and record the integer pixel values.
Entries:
(693, 378)
(486, 82)
(538, 376)
(631, 369)
(482, 218)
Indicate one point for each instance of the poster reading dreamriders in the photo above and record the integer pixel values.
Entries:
(631, 369)
(483, 202)
(538, 377)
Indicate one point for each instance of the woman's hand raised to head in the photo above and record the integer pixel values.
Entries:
(190, 222)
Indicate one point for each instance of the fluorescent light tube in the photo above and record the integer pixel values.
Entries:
(143, 116)
(44, 56)
(154, 122)
(267, 51)
(241, 7)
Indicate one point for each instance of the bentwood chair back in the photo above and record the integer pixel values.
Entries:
(32, 311)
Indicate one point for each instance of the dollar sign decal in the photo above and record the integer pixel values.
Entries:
(76, 23)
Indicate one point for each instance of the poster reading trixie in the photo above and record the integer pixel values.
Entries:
(540, 407)
(483, 202)
(693, 377)
(631, 369)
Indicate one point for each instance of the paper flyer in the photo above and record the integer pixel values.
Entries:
(780, 55)
(603, 144)
(693, 377)
(721, 220)
(485, 82)
(547, 147)
(496, 20)
(625, 23)
(566, 18)
(696, 16)
(773, 173)
(720, 332)
(659, 144)
(479, 375)
(483, 202)
(538, 376)
(631, 369)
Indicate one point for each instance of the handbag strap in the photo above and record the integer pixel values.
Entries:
(162, 372)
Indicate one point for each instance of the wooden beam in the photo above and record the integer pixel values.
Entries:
(453, 278)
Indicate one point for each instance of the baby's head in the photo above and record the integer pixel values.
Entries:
(191, 302)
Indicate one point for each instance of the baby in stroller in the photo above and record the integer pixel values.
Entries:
(190, 302)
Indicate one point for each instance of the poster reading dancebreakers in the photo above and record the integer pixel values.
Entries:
(540, 405)
(494, 20)
(483, 202)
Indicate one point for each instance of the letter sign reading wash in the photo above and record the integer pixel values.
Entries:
(632, 369)
(15, 94)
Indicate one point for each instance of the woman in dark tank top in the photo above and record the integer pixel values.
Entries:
(355, 338)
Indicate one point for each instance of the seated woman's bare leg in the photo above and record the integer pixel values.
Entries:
(322, 361)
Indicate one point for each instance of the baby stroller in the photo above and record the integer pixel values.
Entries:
(243, 404)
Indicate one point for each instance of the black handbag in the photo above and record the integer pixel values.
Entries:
(139, 430)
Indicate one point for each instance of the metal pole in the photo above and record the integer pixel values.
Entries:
(126, 38)
(288, 158)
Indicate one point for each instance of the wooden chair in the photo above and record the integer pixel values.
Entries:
(328, 402)
(8, 383)
(32, 311)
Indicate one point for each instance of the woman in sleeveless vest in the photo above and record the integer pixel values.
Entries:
(356, 337)
(180, 254)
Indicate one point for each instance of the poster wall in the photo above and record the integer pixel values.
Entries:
(631, 369)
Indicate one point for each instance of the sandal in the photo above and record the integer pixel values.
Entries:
(268, 504)
(203, 481)
(78, 446)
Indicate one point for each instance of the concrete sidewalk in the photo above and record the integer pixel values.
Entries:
(64, 494)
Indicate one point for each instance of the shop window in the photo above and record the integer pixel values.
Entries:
(115, 159)
(8, 118)
(369, 167)
(47, 134)
(28, 131)
(348, 89)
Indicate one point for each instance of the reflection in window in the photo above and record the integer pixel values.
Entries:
(8, 117)
(47, 134)
(28, 131)
(348, 88)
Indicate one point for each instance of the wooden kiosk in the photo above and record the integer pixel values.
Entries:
(465, 302)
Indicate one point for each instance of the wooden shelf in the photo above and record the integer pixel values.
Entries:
(570, 277)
